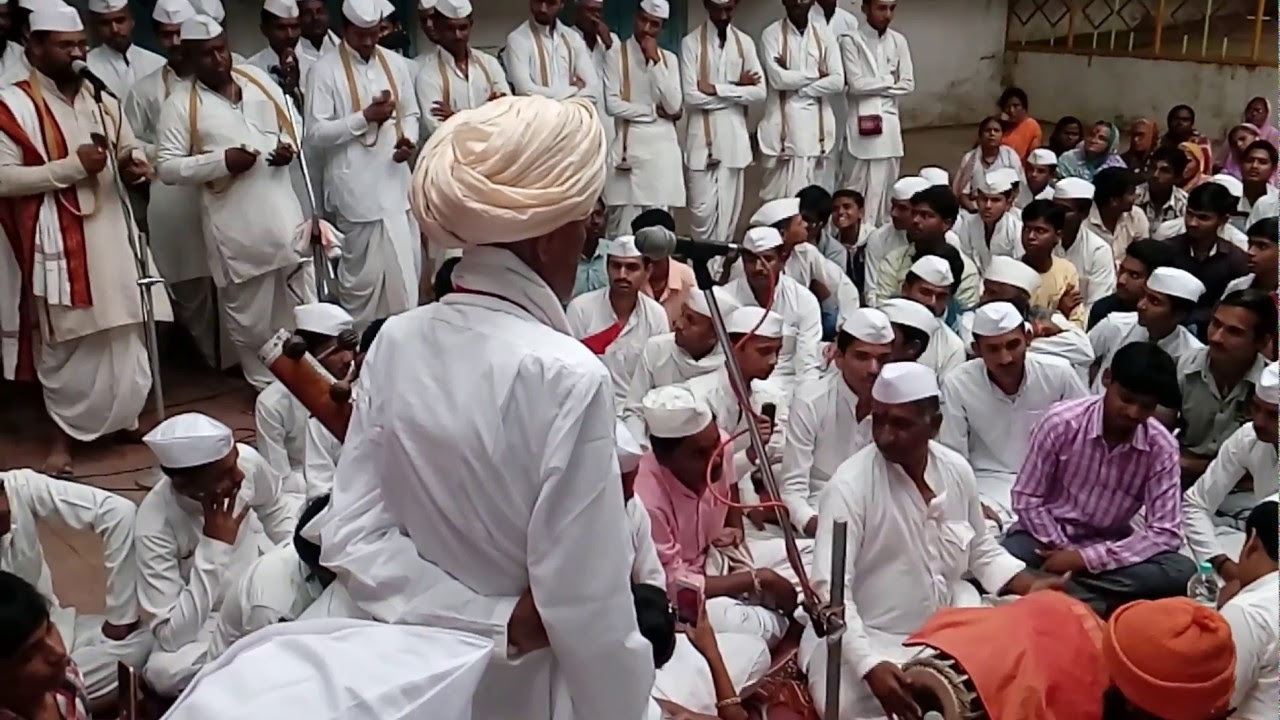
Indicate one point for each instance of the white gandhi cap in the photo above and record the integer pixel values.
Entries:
(629, 451)
(1073, 188)
(623, 246)
(1175, 282)
(697, 302)
(868, 325)
(906, 188)
(212, 8)
(775, 211)
(1000, 181)
(997, 318)
(755, 320)
(904, 382)
(106, 6)
(200, 27)
(322, 318)
(673, 411)
(935, 176)
(933, 270)
(1042, 157)
(287, 9)
(759, 239)
(56, 16)
(660, 9)
(189, 440)
(903, 311)
(1233, 186)
(362, 13)
(172, 12)
(454, 9)
(1268, 390)
(1007, 271)
(426, 4)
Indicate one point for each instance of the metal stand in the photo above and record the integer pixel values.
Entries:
(326, 281)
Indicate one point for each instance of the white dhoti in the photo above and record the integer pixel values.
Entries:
(258, 307)
(97, 657)
(715, 202)
(686, 678)
(169, 673)
(620, 217)
(784, 177)
(874, 179)
(97, 384)
(380, 267)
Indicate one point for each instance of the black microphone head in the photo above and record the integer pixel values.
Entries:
(656, 242)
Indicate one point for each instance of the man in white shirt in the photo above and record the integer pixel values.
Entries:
(829, 419)
(1042, 168)
(642, 95)
(798, 132)
(239, 152)
(281, 26)
(1090, 253)
(991, 404)
(1115, 216)
(588, 19)
(192, 539)
(839, 22)
(96, 643)
(722, 80)
(361, 108)
(915, 528)
(1251, 613)
(934, 212)
(941, 350)
(117, 60)
(616, 322)
(544, 57)
(454, 76)
(891, 235)
(879, 72)
(995, 229)
(427, 23)
(1170, 297)
(317, 37)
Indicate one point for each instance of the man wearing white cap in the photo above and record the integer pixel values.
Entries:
(281, 26)
(1170, 297)
(1058, 290)
(931, 280)
(1115, 216)
(798, 132)
(230, 132)
(1095, 263)
(71, 314)
(1042, 167)
(691, 350)
(94, 642)
(13, 61)
(588, 20)
(991, 404)
(877, 63)
(1203, 252)
(454, 76)
(891, 235)
(196, 516)
(921, 336)
(516, 366)
(829, 419)
(544, 57)
(722, 80)
(616, 322)
(936, 175)
(934, 211)
(995, 229)
(1214, 509)
(360, 107)
(895, 578)
(117, 60)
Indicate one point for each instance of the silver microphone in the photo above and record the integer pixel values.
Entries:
(659, 243)
(81, 68)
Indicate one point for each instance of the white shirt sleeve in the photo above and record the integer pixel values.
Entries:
(174, 163)
(989, 562)
(797, 460)
(1203, 499)
(320, 462)
(613, 102)
(839, 503)
(833, 82)
(955, 417)
(642, 382)
(1101, 276)
(781, 79)
(328, 121)
(808, 360)
(272, 432)
(646, 568)
(1252, 641)
(278, 516)
(519, 57)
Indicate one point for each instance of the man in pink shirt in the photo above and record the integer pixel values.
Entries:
(670, 281)
(699, 541)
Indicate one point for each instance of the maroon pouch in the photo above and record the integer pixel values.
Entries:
(870, 125)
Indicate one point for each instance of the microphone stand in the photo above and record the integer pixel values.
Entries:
(147, 277)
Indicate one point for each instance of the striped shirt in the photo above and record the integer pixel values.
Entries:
(1075, 493)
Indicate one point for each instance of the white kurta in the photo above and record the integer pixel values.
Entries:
(879, 73)
(842, 23)
(599, 56)
(1006, 238)
(267, 58)
(974, 171)
(13, 64)
(1094, 263)
(440, 81)
(120, 72)
(1121, 328)
(545, 60)
(1132, 225)
(717, 145)
(644, 158)
(905, 562)
(1252, 616)
(280, 422)
(1209, 533)
(1071, 344)
(946, 351)
(323, 452)
(801, 355)
(1267, 206)
(823, 430)
(592, 314)
(276, 588)
(184, 574)
(798, 132)
(645, 566)
(882, 241)
(308, 54)
(662, 362)
(34, 498)
(993, 430)
(715, 390)
(808, 264)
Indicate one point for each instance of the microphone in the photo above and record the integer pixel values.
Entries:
(81, 68)
(659, 243)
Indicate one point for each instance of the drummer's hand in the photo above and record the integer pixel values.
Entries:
(893, 690)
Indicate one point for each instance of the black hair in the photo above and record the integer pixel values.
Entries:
(663, 447)
(370, 334)
(990, 120)
(656, 619)
(656, 217)
(23, 613)
(1266, 147)
(309, 552)
(815, 201)
(1014, 93)
(1212, 197)
(1177, 159)
(853, 195)
(1113, 183)
(1168, 119)
(843, 341)
(912, 335)
(1046, 210)
(1265, 228)
(941, 200)
(1262, 525)
(1260, 304)
(313, 339)
(442, 283)
(1152, 253)
(1143, 368)
(955, 262)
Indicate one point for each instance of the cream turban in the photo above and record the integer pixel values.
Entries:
(512, 169)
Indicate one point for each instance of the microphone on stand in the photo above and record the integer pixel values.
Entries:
(81, 68)
(659, 243)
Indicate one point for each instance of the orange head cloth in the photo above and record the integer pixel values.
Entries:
(1039, 658)
(1172, 658)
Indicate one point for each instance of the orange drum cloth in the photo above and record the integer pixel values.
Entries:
(1038, 658)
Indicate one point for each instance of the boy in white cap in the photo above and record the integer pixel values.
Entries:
(829, 419)
(1090, 254)
(543, 56)
(995, 229)
(798, 132)
(616, 322)
(1042, 167)
(360, 107)
(891, 235)
(722, 80)
(116, 59)
(76, 323)
(1115, 216)
(941, 350)
(642, 94)
(1059, 287)
(895, 579)
(934, 211)
(991, 404)
(192, 538)
(455, 76)
(931, 281)
(238, 145)
(588, 20)
(1170, 297)
(1214, 509)
(94, 642)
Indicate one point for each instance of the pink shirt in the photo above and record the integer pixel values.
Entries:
(680, 282)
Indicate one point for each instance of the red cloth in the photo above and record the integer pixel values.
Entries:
(601, 341)
(1039, 658)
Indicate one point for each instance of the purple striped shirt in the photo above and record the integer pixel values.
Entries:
(1075, 493)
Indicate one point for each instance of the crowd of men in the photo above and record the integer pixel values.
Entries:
(1051, 370)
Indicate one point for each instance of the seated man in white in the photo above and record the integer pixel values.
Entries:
(1250, 608)
(942, 353)
(991, 404)
(95, 643)
(931, 282)
(1242, 474)
(192, 538)
(830, 418)
(915, 528)
(805, 263)
(1167, 303)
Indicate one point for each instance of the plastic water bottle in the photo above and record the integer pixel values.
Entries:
(1203, 587)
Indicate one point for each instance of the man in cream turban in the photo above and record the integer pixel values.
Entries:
(511, 183)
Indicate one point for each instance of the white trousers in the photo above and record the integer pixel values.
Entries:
(620, 217)
(258, 307)
(380, 268)
(686, 678)
(784, 177)
(874, 179)
(97, 657)
(97, 384)
(715, 202)
(169, 673)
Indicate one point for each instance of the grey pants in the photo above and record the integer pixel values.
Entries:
(1163, 575)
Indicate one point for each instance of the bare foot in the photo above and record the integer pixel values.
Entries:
(58, 462)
